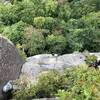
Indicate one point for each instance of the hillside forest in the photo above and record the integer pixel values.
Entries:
(51, 26)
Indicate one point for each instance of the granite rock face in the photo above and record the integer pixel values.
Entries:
(10, 62)
(44, 62)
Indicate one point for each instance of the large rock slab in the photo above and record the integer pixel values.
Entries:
(31, 69)
(96, 54)
(44, 62)
(72, 59)
(10, 62)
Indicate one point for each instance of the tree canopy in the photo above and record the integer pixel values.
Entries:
(54, 26)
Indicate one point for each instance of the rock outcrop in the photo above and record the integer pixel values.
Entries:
(44, 62)
(10, 62)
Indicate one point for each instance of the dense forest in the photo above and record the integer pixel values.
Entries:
(51, 26)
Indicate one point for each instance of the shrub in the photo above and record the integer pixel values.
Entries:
(49, 83)
(8, 14)
(90, 59)
(79, 83)
(64, 10)
(46, 32)
(50, 23)
(16, 33)
(26, 12)
(21, 51)
(36, 44)
(47, 86)
(62, 94)
(56, 44)
(50, 7)
(80, 39)
(83, 84)
(24, 90)
(39, 21)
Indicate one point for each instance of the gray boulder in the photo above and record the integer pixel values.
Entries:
(10, 62)
(45, 62)
(37, 64)
(72, 59)
(31, 69)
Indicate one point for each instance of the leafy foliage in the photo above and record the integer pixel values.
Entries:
(21, 51)
(36, 45)
(83, 84)
(39, 21)
(47, 85)
(56, 43)
(77, 21)
(16, 33)
(77, 83)
(90, 59)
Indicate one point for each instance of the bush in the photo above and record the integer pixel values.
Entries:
(50, 23)
(26, 12)
(39, 21)
(16, 33)
(79, 83)
(36, 44)
(47, 86)
(24, 90)
(8, 14)
(83, 84)
(49, 83)
(64, 11)
(56, 44)
(90, 59)
(21, 51)
(62, 94)
(80, 39)
(50, 7)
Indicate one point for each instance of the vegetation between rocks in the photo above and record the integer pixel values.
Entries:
(76, 83)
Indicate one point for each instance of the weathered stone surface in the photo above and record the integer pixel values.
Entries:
(44, 62)
(72, 59)
(31, 69)
(10, 62)
(96, 54)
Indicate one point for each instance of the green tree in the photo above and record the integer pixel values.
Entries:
(36, 44)
(64, 11)
(56, 44)
(84, 39)
(16, 33)
(92, 20)
(50, 7)
(39, 21)
(50, 23)
(8, 14)
(81, 8)
(26, 12)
